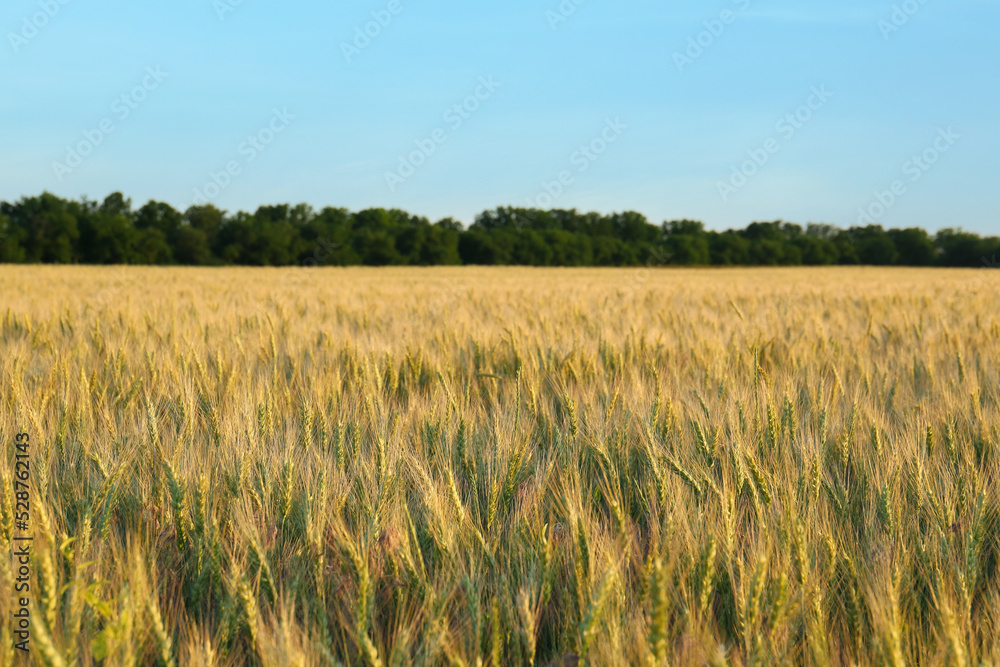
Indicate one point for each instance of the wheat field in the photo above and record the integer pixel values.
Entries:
(503, 466)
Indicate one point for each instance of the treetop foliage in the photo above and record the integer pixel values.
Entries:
(49, 229)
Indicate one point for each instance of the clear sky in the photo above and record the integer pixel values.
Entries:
(640, 105)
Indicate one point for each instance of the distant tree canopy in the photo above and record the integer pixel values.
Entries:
(48, 229)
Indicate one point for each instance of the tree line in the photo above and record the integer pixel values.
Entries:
(49, 229)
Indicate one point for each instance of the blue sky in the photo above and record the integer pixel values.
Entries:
(618, 100)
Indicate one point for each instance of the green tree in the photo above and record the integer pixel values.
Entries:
(728, 249)
(10, 246)
(568, 248)
(108, 234)
(915, 247)
(158, 226)
(479, 247)
(817, 251)
(48, 229)
(688, 250)
(45, 227)
(612, 251)
(206, 220)
(874, 246)
(957, 247)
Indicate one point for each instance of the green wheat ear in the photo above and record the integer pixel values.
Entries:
(591, 624)
(43, 640)
(305, 423)
(177, 504)
(163, 640)
(496, 634)
(7, 505)
(659, 610)
(287, 490)
(707, 576)
(528, 625)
